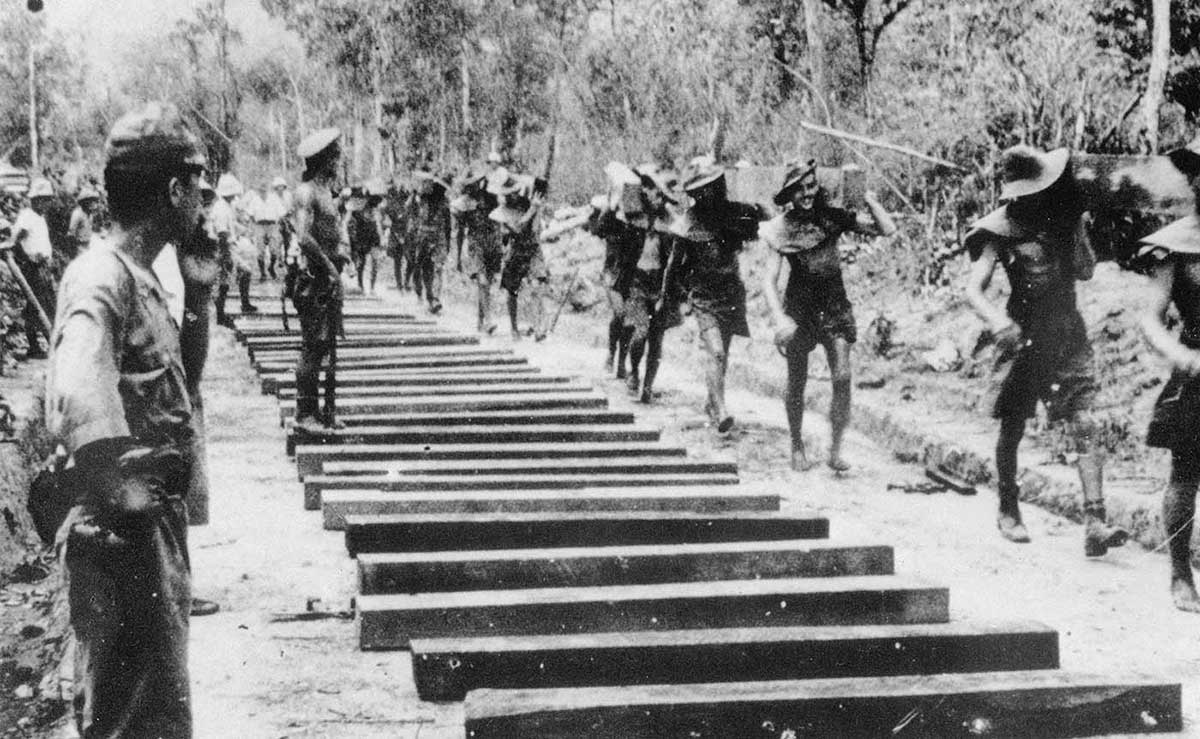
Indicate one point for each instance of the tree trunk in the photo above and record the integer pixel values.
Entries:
(1160, 57)
(816, 47)
(359, 134)
(468, 124)
(377, 137)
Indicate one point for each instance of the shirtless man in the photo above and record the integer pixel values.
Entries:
(317, 294)
(814, 309)
(1039, 239)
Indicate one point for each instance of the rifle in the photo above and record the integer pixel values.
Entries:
(7, 249)
(563, 302)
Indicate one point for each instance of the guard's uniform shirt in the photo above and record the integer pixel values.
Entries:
(116, 372)
(37, 234)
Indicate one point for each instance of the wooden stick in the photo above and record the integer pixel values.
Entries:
(880, 144)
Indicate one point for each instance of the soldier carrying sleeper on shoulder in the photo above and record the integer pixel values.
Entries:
(1042, 343)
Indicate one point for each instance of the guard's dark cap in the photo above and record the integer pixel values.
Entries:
(797, 174)
(154, 137)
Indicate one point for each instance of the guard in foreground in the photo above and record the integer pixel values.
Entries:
(117, 400)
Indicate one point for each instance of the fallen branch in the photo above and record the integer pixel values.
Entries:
(880, 145)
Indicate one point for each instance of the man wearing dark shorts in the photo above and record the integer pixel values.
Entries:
(519, 226)
(709, 237)
(480, 237)
(616, 225)
(815, 310)
(1173, 254)
(649, 312)
(429, 234)
(1039, 239)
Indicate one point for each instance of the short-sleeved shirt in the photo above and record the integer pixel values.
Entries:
(271, 210)
(37, 234)
(222, 219)
(115, 368)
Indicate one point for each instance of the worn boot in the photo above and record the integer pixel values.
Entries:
(306, 416)
(222, 318)
(1099, 537)
(1009, 518)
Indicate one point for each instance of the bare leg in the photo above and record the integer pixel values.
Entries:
(1099, 536)
(538, 294)
(838, 353)
(1012, 430)
(793, 403)
(715, 343)
(1179, 509)
(485, 322)
(512, 314)
(653, 358)
(637, 348)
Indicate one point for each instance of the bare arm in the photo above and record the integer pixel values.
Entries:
(1154, 324)
(880, 222)
(977, 285)
(771, 289)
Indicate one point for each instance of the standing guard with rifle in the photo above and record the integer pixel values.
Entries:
(814, 309)
(317, 288)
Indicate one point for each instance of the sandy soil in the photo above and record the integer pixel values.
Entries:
(263, 555)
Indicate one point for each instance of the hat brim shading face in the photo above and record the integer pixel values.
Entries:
(703, 180)
(1050, 168)
(318, 143)
(795, 178)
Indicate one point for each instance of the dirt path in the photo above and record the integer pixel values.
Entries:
(263, 554)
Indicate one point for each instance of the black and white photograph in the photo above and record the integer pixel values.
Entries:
(525, 369)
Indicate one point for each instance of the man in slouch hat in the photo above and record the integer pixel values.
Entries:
(814, 309)
(481, 238)
(117, 400)
(1173, 254)
(708, 238)
(1041, 340)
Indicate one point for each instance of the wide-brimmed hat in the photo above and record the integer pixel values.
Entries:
(87, 192)
(41, 188)
(797, 173)
(278, 183)
(317, 142)
(1187, 159)
(228, 186)
(702, 176)
(1025, 170)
